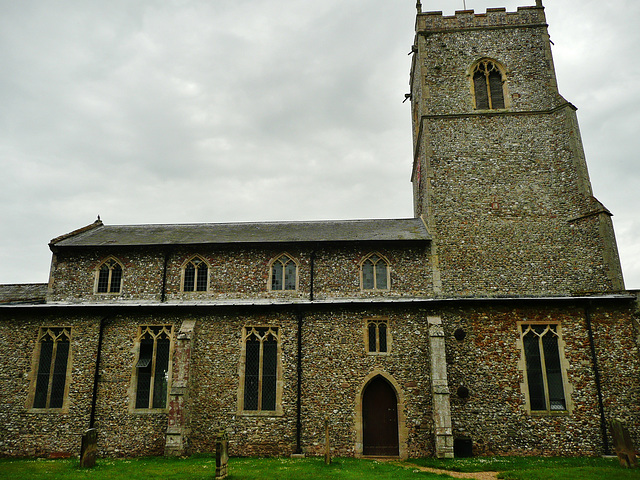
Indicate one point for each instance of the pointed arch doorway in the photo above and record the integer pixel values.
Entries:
(380, 419)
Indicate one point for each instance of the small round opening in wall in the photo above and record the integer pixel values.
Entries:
(459, 334)
(463, 392)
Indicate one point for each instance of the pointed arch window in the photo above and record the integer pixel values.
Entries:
(152, 368)
(195, 275)
(545, 376)
(284, 273)
(50, 385)
(260, 392)
(109, 277)
(488, 85)
(375, 273)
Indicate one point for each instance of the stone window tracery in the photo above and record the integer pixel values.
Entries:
(374, 272)
(488, 85)
(109, 277)
(284, 273)
(152, 369)
(545, 377)
(52, 360)
(195, 275)
(260, 375)
(377, 336)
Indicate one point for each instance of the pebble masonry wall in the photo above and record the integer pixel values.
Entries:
(335, 365)
(506, 197)
(501, 190)
(238, 272)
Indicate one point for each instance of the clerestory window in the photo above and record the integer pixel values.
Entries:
(544, 373)
(109, 277)
(284, 274)
(260, 375)
(52, 361)
(375, 273)
(195, 275)
(152, 367)
(488, 85)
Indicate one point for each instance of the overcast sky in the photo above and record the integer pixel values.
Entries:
(180, 111)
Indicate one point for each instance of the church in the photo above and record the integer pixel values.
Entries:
(494, 321)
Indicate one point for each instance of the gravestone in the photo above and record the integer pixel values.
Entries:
(89, 448)
(222, 454)
(622, 444)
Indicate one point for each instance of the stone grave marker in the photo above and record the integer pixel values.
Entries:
(622, 444)
(89, 448)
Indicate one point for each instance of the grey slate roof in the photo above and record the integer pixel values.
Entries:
(23, 293)
(98, 234)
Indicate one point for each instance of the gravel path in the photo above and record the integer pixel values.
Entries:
(474, 475)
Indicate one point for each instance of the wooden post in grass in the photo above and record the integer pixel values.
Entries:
(222, 454)
(327, 445)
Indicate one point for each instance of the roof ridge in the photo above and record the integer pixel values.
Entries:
(96, 224)
(268, 222)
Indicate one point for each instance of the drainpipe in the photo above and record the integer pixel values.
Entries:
(163, 293)
(596, 373)
(299, 393)
(312, 265)
(96, 375)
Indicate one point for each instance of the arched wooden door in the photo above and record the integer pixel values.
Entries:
(379, 419)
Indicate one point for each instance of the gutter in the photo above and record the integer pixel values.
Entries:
(279, 302)
(96, 375)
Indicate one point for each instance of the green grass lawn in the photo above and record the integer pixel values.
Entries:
(537, 468)
(203, 467)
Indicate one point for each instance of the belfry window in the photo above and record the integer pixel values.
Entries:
(375, 273)
(260, 369)
(109, 277)
(152, 367)
(544, 372)
(196, 276)
(487, 86)
(52, 363)
(284, 273)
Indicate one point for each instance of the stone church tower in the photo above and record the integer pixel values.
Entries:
(499, 172)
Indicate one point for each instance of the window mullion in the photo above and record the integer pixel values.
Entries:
(486, 77)
(543, 365)
(377, 337)
(153, 371)
(260, 365)
(51, 367)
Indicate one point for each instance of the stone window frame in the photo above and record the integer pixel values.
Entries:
(377, 320)
(133, 389)
(361, 266)
(35, 368)
(247, 331)
(183, 271)
(114, 260)
(564, 367)
(276, 259)
(505, 91)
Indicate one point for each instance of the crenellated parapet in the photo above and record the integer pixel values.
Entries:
(468, 19)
